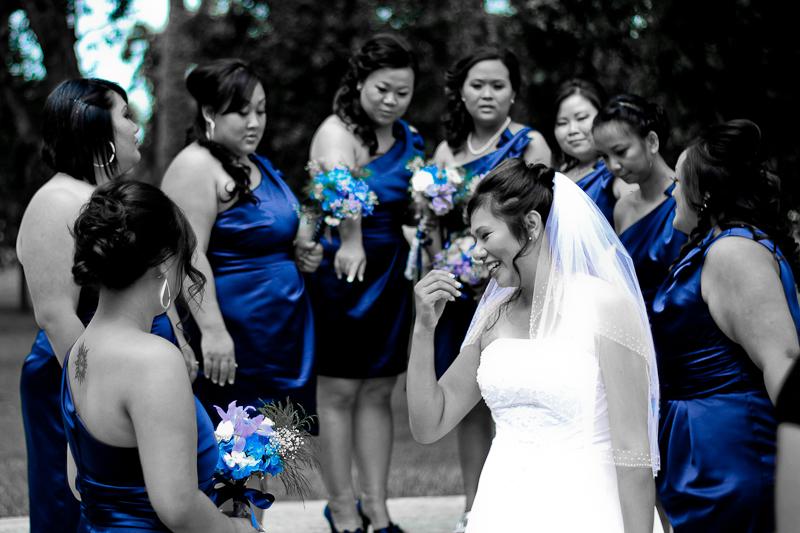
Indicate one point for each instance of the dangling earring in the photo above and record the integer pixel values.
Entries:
(110, 159)
(209, 129)
(166, 295)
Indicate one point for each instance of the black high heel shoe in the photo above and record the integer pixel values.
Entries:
(329, 517)
(391, 528)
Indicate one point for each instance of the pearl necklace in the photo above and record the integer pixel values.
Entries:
(491, 140)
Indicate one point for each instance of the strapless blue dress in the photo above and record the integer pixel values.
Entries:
(263, 300)
(362, 328)
(654, 244)
(110, 479)
(717, 427)
(599, 186)
(52, 507)
(457, 315)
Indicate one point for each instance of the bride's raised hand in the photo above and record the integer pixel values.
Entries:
(431, 294)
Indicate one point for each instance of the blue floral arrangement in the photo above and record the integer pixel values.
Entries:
(456, 258)
(339, 194)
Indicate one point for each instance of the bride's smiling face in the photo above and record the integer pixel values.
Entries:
(496, 246)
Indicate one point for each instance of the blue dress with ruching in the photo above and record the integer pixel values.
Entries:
(599, 186)
(457, 315)
(363, 327)
(52, 507)
(263, 300)
(717, 425)
(110, 479)
(653, 245)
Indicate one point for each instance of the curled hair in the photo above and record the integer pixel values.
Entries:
(381, 51)
(725, 180)
(511, 190)
(225, 86)
(457, 120)
(638, 114)
(588, 89)
(78, 129)
(127, 228)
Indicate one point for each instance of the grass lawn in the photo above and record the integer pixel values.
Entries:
(417, 470)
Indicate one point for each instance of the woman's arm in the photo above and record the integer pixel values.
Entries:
(434, 408)
(46, 249)
(72, 473)
(162, 411)
(307, 253)
(741, 284)
(190, 182)
(537, 150)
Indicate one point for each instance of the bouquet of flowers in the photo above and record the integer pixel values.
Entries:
(338, 194)
(456, 258)
(273, 443)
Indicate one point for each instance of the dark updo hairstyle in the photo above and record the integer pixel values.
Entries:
(512, 190)
(127, 228)
(225, 86)
(457, 120)
(590, 90)
(381, 51)
(78, 129)
(638, 114)
(725, 180)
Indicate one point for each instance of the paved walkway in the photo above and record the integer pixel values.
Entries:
(416, 515)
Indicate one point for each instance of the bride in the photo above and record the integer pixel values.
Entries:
(559, 349)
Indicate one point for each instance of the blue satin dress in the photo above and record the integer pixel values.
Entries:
(717, 426)
(110, 479)
(263, 300)
(599, 186)
(52, 507)
(654, 244)
(457, 315)
(362, 328)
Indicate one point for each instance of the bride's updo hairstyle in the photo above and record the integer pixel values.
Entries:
(381, 51)
(226, 86)
(127, 228)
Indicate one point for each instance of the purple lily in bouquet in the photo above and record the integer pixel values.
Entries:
(456, 258)
(338, 194)
(258, 446)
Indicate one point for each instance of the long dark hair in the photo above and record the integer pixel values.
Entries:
(78, 130)
(126, 228)
(725, 180)
(381, 51)
(592, 91)
(226, 86)
(511, 190)
(640, 115)
(457, 120)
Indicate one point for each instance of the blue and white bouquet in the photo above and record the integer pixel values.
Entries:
(338, 194)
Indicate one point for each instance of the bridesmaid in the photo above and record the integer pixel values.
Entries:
(89, 139)
(726, 323)
(480, 89)
(256, 326)
(577, 103)
(143, 450)
(628, 132)
(361, 299)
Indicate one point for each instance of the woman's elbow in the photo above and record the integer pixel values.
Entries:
(175, 510)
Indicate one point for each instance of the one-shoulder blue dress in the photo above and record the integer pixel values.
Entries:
(263, 300)
(110, 479)
(599, 186)
(363, 327)
(52, 507)
(457, 315)
(653, 245)
(717, 425)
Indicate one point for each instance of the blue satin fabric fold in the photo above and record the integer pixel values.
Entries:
(362, 328)
(52, 507)
(599, 186)
(653, 245)
(717, 424)
(110, 478)
(263, 300)
(457, 315)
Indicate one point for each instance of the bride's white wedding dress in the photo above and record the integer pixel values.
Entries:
(550, 468)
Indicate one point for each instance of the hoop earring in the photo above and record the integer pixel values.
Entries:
(110, 159)
(210, 129)
(166, 295)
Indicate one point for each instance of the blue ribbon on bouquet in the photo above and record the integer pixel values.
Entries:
(239, 493)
